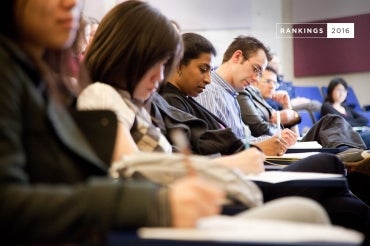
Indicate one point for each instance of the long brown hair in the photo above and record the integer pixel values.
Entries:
(130, 39)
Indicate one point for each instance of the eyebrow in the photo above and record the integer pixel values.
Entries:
(205, 64)
(259, 67)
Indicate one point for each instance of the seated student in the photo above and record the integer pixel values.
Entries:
(261, 118)
(297, 102)
(51, 178)
(258, 114)
(335, 104)
(90, 30)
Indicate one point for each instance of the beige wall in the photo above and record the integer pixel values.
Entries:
(303, 11)
(259, 19)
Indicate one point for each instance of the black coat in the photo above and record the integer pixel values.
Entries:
(49, 168)
(205, 131)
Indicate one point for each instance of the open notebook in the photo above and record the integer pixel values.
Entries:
(306, 145)
(308, 148)
(239, 229)
(289, 157)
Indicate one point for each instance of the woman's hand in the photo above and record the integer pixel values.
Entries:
(192, 198)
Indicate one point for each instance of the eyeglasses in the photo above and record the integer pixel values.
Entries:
(270, 81)
(257, 70)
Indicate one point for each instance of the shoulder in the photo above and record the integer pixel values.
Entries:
(244, 97)
(103, 96)
(327, 105)
(245, 94)
(97, 94)
(99, 88)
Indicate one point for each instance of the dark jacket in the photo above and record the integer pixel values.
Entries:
(54, 186)
(256, 112)
(332, 131)
(353, 117)
(206, 136)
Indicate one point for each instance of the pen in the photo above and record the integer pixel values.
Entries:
(180, 140)
(247, 133)
(278, 124)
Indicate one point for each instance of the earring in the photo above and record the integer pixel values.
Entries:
(179, 72)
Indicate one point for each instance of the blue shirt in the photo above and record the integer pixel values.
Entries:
(220, 98)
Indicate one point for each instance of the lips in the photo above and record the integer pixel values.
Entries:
(201, 89)
(67, 23)
(154, 89)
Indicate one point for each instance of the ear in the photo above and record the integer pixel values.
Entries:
(237, 56)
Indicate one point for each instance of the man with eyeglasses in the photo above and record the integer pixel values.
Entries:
(257, 113)
(243, 63)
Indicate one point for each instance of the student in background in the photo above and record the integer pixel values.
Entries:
(259, 115)
(261, 118)
(297, 102)
(90, 30)
(335, 103)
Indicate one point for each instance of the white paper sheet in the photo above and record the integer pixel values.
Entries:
(231, 228)
(282, 176)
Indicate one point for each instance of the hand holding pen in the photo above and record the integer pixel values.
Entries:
(180, 140)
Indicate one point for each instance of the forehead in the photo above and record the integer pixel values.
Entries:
(205, 57)
(339, 85)
(269, 74)
(259, 57)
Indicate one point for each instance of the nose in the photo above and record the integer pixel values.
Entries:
(255, 79)
(158, 74)
(207, 78)
(161, 73)
(75, 6)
